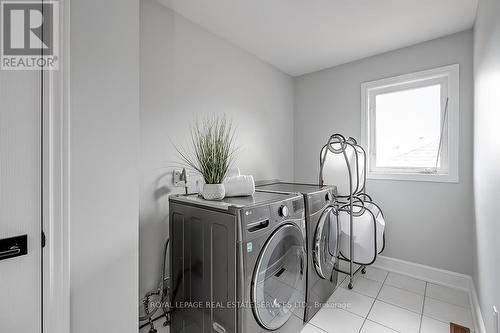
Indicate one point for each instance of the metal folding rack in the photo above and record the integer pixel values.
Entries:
(353, 203)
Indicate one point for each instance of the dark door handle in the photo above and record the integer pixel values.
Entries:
(14, 250)
(13, 247)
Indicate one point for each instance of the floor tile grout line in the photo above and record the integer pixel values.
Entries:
(405, 289)
(437, 318)
(397, 306)
(382, 301)
(441, 284)
(424, 296)
(378, 299)
(360, 293)
(423, 305)
(407, 276)
(397, 287)
(440, 300)
(357, 315)
(354, 313)
(339, 286)
(309, 323)
(371, 307)
(376, 322)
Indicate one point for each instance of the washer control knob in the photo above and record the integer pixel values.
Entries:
(329, 196)
(283, 211)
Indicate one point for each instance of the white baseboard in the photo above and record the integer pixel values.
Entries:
(438, 276)
(423, 272)
(476, 309)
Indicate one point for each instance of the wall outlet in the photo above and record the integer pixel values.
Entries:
(496, 322)
(179, 178)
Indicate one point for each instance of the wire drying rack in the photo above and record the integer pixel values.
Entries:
(354, 202)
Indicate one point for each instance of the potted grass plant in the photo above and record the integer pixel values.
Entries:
(212, 153)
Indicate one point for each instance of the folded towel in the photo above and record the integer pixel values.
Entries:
(233, 172)
(239, 186)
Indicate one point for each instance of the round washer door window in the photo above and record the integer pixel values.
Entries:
(326, 244)
(278, 284)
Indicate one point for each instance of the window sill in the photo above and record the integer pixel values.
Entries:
(417, 177)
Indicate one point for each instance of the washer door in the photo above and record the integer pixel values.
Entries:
(326, 243)
(278, 287)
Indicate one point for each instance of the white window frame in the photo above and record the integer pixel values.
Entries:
(448, 78)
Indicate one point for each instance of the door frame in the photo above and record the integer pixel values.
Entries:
(56, 185)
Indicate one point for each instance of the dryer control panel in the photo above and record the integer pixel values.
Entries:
(318, 200)
(259, 219)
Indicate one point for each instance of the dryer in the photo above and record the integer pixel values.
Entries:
(322, 240)
(238, 265)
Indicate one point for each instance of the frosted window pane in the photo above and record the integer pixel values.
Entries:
(407, 127)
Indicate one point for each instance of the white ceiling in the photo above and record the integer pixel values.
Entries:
(302, 36)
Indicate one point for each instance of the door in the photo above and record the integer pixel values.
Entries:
(326, 243)
(20, 199)
(278, 287)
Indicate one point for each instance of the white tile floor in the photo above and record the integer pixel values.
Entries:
(383, 302)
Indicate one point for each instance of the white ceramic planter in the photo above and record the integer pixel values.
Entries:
(213, 191)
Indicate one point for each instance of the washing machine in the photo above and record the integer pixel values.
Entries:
(322, 239)
(238, 265)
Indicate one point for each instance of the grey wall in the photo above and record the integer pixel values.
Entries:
(428, 223)
(487, 156)
(186, 71)
(104, 172)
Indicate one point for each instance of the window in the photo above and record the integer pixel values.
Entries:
(410, 126)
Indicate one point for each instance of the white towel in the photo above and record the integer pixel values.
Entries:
(239, 186)
(232, 172)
